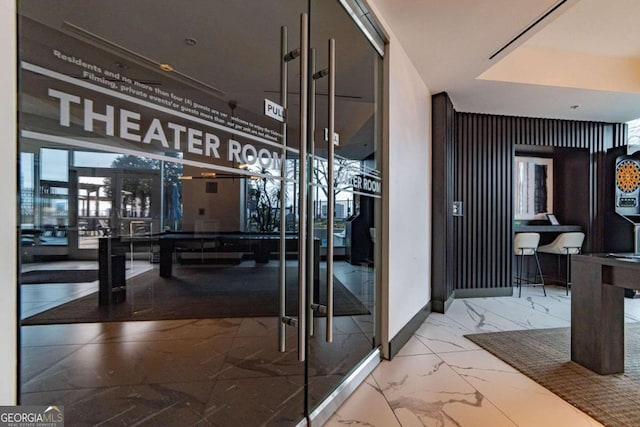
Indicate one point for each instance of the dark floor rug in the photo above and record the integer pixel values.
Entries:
(198, 292)
(58, 276)
(544, 355)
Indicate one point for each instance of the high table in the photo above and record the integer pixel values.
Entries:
(597, 309)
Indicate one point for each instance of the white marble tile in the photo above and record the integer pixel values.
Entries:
(366, 407)
(423, 390)
(441, 334)
(534, 315)
(463, 385)
(519, 397)
(478, 319)
(413, 347)
(556, 303)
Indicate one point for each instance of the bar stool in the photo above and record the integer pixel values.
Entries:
(565, 244)
(526, 244)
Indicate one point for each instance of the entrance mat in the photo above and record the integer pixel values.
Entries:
(58, 276)
(544, 355)
(199, 292)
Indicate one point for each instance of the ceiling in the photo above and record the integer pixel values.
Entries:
(584, 53)
(235, 53)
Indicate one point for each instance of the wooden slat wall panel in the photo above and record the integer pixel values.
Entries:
(485, 147)
(444, 160)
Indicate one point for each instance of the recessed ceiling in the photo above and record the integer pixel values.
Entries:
(595, 27)
(586, 53)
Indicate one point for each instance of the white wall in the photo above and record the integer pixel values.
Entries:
(8, 302)
(406, 272)
(409, 198)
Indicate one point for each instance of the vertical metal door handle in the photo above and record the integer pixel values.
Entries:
(302, 188)
(282, 346)
(311, 153)
(331, 193)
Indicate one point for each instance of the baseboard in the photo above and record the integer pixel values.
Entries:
(443, 306)
(483, 293)
(405, 334)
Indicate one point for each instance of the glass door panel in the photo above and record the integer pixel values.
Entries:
(203, 189)
(183, 101)
(344, 211)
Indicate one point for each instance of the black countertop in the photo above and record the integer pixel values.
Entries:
(546, 228)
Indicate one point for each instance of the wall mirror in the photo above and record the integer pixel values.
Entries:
(533, 187)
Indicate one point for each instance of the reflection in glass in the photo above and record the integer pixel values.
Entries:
(54, 165)
(93, 159)
(27, 190)
(184, 178)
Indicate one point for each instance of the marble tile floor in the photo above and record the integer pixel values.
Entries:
(206, 372)
(219, 372)
(442, 379)
(438, 379)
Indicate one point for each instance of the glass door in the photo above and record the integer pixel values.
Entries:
(197, 329)
(344, 196)
(203, 139)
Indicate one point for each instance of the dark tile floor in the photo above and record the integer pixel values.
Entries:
(218, 372)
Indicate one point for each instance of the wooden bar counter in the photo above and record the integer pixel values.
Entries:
(597, 309)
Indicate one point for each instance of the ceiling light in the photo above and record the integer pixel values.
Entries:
(166, 67)
(185, 177)
(208, 174)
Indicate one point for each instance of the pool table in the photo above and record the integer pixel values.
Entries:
(259, 245)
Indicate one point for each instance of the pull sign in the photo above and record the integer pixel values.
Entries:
(273, 110)
(336, 137)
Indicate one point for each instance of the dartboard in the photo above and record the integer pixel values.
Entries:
(628, 176)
